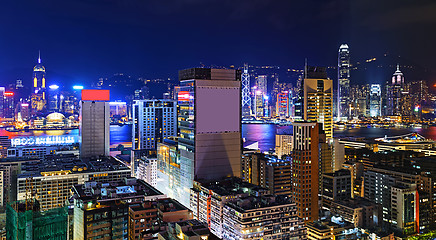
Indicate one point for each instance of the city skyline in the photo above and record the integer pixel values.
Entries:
(217, 119)
(140, 38)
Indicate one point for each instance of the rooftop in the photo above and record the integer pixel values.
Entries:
(190, 228)
(231, 186)
(255, 202)
(164, 205)
(355, 203)
(124, 189)
(339, 173)
(69, 164)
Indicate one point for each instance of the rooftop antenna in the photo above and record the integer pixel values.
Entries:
(305, 68)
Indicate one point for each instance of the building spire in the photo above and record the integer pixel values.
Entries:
(39, 56)
(398, 67)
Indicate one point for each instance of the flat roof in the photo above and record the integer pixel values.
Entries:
(69, 162)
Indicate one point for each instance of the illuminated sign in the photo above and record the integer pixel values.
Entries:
(9, 94)
(183, 96)
(117, 103)
(77, 87)
(44, 141)
(95, 95)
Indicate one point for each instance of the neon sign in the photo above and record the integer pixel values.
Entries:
(9, 94)
(43, 141)
(183, 96)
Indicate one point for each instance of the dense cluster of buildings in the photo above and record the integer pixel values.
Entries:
(191, 176)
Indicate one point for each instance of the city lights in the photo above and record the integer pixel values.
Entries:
(53, 87)
(77, 87)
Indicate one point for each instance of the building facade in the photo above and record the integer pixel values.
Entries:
(101, 209)
(394, 94)
(305, 169)
(318, 99)
(209, 125)
(153, 121)
(94, 123)
(283, 144)
(375, 101)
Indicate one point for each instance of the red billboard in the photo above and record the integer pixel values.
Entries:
(95, 95)
(183, 96)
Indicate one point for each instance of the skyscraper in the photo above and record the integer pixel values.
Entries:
(305, 169)
(262, 83)
(39, 92)
(209, 125)
(153, 121)
(246, 99)
(94, 123)
(394, 93)
(2, 100)
(317, 97)
(283, 105)
(8, 105)
(375, 100)
(343, 81)
(259, 103)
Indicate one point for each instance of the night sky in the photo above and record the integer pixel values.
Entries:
(85, 39)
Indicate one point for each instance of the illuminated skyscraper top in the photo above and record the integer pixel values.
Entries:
(39, 78)
(39, 92)
(398, 78)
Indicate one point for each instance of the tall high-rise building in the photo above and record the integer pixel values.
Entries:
(2, 92)
(209, 125)
(246, 99)
(343, 81)
(305, 169)
(375, 100)
(94, 123)
(262, 83)
(317, 99)
(394, 90)
(54, 98)
(153, 121)
(267, 171)
(359, 100)
(39, 91)
(259, 104)
(419, 96)
(283, 105)
(8, 105)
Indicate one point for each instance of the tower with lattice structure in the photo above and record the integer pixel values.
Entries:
(246, 98)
